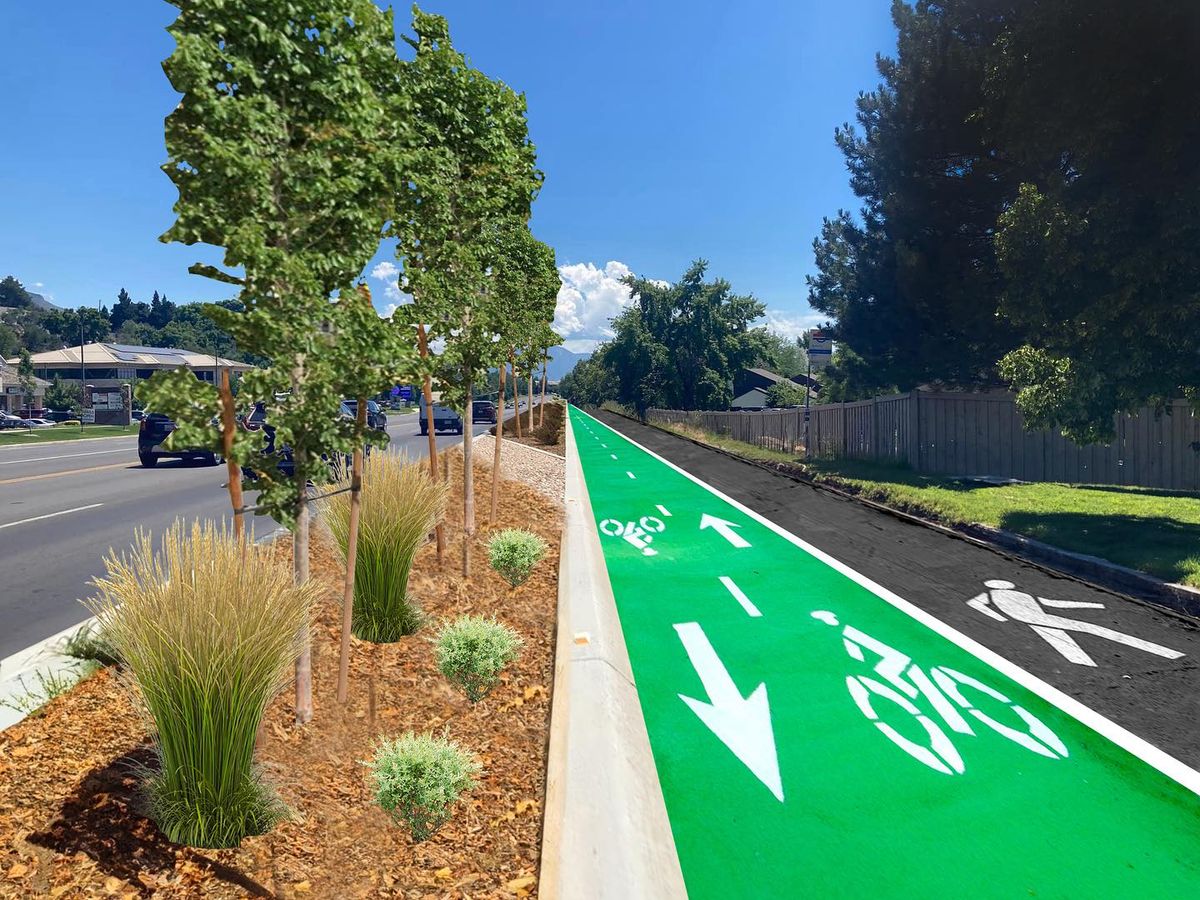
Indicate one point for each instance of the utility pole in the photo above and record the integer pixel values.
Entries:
(82, 375)
(807, 391)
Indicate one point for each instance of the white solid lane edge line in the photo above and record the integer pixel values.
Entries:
(630, 474)
(740, 597)
(61, 512)
(17, 462)
(1122, 737)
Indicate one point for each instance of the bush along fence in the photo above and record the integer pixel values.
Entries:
(976, 434)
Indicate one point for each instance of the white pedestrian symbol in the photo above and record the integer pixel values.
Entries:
(1003, 602)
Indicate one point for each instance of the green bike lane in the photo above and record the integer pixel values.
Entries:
(815, 735)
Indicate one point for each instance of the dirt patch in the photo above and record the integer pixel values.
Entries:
(549, 435)
(70, 814)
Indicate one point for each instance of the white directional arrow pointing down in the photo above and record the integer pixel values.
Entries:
(742, 724)
(725, 529)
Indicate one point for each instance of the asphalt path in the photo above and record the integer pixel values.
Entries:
(63, 505)
(1155, 697)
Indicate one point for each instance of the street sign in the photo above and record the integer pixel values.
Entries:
(820, 349)
(405, 393)
(816, 736)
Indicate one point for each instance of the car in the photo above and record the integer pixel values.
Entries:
(376, 417)
(35, 423)
(9, 421)
(153, 431)
(445, 418)
(256, 420)
(483, 411)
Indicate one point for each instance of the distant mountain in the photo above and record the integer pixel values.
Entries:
(37, 301)
(563, 361)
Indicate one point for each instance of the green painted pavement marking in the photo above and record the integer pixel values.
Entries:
(843, 742)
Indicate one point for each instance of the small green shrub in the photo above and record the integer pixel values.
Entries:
(91, 643)
(513, 553)
(471, 652)
(417, 778)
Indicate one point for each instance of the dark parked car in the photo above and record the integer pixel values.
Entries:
(483, 411)
(376, 417)
(153, 431)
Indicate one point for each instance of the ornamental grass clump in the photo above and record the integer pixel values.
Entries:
(471, 652)
(207, 627)
(513, 553)
(400, 506)
(417, 778)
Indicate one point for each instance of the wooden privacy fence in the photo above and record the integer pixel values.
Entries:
(979, 434)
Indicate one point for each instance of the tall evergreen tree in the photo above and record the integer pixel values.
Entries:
(912, 284)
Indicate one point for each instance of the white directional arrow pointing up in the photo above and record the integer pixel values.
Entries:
(742, 724)
(725, 529)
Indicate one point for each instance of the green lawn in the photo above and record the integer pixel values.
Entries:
(61, 433)
(1150, 530)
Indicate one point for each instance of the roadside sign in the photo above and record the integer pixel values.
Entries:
(405, 393)
(816, 735)
(820, 349)
(89, 416)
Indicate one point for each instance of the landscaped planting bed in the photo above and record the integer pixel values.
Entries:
(71, 822)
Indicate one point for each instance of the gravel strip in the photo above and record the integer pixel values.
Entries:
(540, 470)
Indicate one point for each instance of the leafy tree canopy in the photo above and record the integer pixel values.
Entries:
(785, 393)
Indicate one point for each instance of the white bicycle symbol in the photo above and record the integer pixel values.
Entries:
(637, 533)
(943, 688)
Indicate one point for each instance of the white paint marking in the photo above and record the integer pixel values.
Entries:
(613, 455)
(662, 509)
(1122, 737)
(630, 474)
(17, 462)
(743, 724)
(1009, 603)
(725, 529)
(61, 512)
(740, 597)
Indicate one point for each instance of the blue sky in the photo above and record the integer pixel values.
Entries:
(667, 131)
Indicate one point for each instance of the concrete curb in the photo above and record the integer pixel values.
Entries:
(605, 832)
(19, 671)
(1093, 571)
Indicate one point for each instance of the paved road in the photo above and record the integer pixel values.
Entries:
(64, 504)
(839, 706)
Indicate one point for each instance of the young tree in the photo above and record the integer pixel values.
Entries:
(284, 154)
(472, 165)
(785, 393)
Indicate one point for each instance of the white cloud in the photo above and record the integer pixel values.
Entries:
(789, 324)
(387, 272)
(589, 297)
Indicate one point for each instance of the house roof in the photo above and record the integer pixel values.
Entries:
(130, 356)
(10, 376)
(767, 374)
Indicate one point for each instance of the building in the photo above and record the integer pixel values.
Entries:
(109, 365)
(750, 387)
(12, 395)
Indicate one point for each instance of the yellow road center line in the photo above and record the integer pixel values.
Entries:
(121, 465)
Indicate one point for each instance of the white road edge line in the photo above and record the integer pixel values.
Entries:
(740, 597)
(630, 474)
(1122, 737)
(17, 462)
(61, 512)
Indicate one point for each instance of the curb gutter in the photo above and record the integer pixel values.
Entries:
(605, 834)
(1093, 571)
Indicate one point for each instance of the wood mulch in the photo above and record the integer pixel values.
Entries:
(70, 824)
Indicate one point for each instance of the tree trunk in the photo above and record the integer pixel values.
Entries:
(529, 384)
(304, 705)
(232, 469)
(542, 408)
(496, 452)
(468, 485)
(423, 346)
(516, 394)
(360, 425)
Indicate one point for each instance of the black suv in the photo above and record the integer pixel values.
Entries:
(483, 411)
(376, 417)
(153, 431)
(256, 420)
